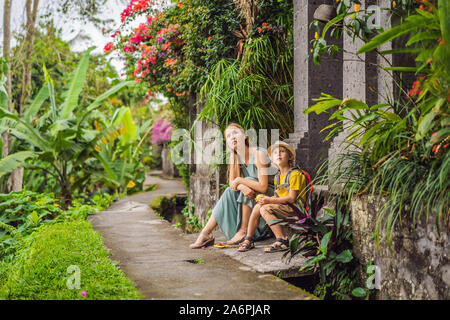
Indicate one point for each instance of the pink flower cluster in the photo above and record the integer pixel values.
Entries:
(165, 39)
(141, 34)
(108, 48)
(134, 7)
(161, 131)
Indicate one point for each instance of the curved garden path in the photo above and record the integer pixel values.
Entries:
(156, 256)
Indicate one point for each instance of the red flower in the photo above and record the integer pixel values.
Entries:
(264, 24)
(415, 89)
(259, 29)
(108, 48)
(209, 38)
(129, 49)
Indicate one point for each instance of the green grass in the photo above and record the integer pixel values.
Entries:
(40, 267)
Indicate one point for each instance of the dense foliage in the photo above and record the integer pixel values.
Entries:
(400, 148)
(41, 269)
(238, 57)
(174, 49)
(73, 144)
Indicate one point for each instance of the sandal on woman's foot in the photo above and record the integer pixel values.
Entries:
(248, 244)
(199, 244)
(236, 239)
(282, 245)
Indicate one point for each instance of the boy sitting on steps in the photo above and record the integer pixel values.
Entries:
(288, 193)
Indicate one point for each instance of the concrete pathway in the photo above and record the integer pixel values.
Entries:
(156, 256)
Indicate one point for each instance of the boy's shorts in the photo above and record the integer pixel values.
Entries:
(280, 211)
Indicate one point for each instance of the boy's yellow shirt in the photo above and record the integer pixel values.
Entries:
(297, 181)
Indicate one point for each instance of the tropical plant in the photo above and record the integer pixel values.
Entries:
(255, 90)
(399, 149)
(327, 240)
(61, 137)
(120, 159)
(193, 225)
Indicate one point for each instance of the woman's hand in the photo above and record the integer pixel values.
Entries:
(248, 192)
(235, 183)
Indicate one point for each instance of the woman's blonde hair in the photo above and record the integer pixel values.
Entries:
(234, 168)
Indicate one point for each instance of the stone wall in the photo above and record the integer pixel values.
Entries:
(417, 264)
(168, 168)
(205, 180)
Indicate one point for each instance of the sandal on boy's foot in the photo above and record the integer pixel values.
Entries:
(199, 244)
(248, 244)
(283, 245)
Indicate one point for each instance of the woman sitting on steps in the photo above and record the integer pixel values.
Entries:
(246, 177)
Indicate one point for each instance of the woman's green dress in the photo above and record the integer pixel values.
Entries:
(228, 210)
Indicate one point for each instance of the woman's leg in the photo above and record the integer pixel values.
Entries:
(210, 225)
(206, 233)
(254, 221)
(240, 234)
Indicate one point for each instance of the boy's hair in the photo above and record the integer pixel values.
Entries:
(291, 156)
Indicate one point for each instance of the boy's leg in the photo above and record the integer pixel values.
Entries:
(276, 228)
(253, 222)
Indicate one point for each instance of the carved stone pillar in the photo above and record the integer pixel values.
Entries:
(354, 83)
(205, 180)
(309, 82)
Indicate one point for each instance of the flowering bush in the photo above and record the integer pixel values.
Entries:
(161, 131)
(173, 48)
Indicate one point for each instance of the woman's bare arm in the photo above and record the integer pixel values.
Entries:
(263, 179)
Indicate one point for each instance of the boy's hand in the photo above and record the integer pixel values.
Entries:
(264, 200)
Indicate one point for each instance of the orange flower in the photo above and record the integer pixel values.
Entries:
(356, 7)
(264, 24)
(434, 137)
(209, 38)
(259, 29)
